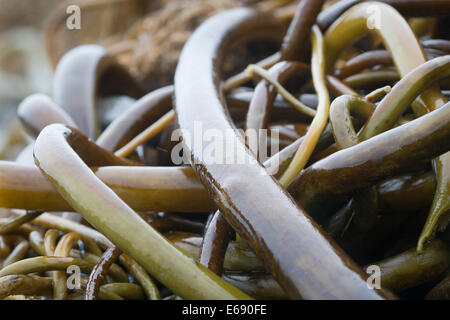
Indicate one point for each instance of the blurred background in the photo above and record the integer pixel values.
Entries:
(34, 36)
(146, 36)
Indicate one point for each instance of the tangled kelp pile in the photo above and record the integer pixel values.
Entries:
(357, 104)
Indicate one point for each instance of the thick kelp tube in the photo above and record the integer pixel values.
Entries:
(314, 267)
(102, 208)
(143, 188)
(217, 233)
(396, 151)
(410, 269)
(77, 84)
(407, 193)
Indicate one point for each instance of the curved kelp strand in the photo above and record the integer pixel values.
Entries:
(314, 267)
(365, 202)
(38, 111)
(76, 84)
(102, 208)
(396, 102)
(411, 8)
(407, 54)
(341, 110)
(62, 249)
(143, 188)
(143, 113)
(320, 119)
(396, 151)
(99, 272)
(296, 39)
(217, 233)
(389, 111)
